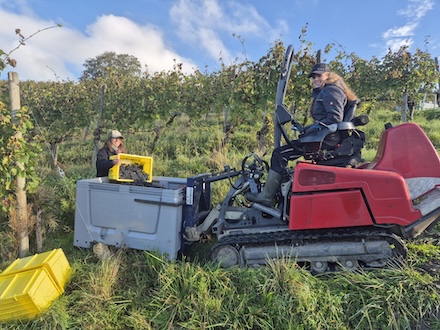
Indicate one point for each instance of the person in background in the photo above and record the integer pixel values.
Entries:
(330, 95)
(112, 146)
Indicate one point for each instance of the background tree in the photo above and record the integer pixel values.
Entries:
(365, 78)
(122, 64)
(115, 68)
(59, 110)
(404, 72)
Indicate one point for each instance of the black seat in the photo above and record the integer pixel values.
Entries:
(346, 124)
(338, 144)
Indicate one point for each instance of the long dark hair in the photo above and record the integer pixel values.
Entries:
(332, 77)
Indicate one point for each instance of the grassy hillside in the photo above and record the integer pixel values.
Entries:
(142, 290)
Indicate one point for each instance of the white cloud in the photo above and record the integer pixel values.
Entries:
(210, 24)
(403, 31)
(60, 53)
(416, 9)
(21, 6)
(33, 57)
(395, 44)
(123, 36)
(403, 35)
(197, 23)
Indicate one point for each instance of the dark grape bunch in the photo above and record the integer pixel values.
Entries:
(133, 172)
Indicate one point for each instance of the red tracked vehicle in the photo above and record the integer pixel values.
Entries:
(332, 209)
(334, 215)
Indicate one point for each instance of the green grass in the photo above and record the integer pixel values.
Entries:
(142, 290)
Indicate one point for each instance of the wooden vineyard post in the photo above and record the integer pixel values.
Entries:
(20, 190)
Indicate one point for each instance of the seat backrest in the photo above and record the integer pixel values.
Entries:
(350, 110)
(349, 114)
(407, 150)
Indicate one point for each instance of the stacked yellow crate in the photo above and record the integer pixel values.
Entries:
(29, 285)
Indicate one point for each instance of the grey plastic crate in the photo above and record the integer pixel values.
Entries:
(143, 218)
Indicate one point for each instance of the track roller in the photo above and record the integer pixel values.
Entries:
(350, 264)
(227, 256)
(319, 267)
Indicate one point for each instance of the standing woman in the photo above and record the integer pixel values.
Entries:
(112, 146)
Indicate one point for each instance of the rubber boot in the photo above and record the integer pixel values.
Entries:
(272, 186)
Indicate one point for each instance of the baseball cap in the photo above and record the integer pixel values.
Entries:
(114, 134)
(319, 68)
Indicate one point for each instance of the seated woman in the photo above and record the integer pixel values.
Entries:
(330, 95)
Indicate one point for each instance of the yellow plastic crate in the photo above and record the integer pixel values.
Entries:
(55, 263)
(126, 159)
(26, 294)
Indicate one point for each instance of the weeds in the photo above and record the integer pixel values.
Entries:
(387, 299)
(142, 290)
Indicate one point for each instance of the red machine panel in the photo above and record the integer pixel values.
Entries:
(328, 210)
(384, 194)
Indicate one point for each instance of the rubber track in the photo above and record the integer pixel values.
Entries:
(297, 238)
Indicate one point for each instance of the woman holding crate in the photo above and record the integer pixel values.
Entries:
(112, 146)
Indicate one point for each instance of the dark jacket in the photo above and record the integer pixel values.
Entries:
(103, 161)
(328, 103)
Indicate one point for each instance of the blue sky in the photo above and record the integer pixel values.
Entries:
(198, 33)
